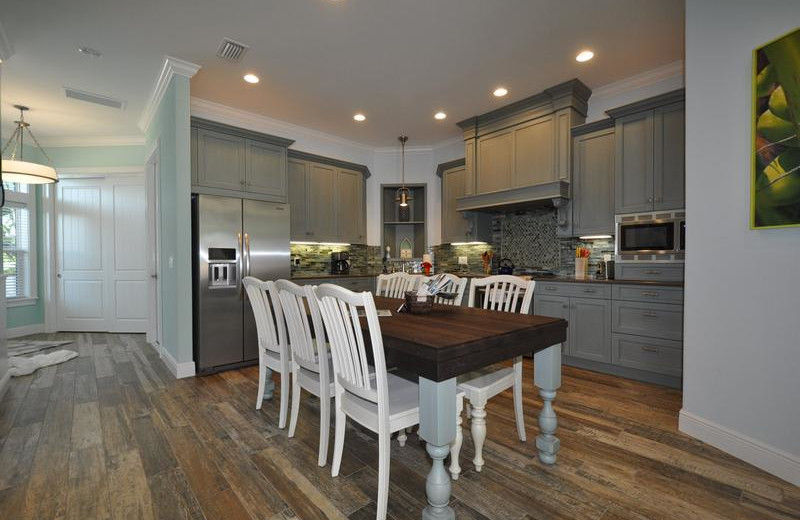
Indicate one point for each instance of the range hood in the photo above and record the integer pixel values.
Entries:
(551, 194)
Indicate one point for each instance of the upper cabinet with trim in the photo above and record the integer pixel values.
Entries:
(236, 162)
(650, 143)
(460, 226)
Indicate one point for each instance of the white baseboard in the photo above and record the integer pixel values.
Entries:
(4, 383)
(18, 332)
(179, 370)
(772, 460)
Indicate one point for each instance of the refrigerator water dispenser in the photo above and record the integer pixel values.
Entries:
(221, 267)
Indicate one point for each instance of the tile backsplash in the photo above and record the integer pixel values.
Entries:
(316, 258)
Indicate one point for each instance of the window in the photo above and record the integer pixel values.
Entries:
(19, 242)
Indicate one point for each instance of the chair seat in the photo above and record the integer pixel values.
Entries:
(309, 379)
(403, 405)
(487, 383)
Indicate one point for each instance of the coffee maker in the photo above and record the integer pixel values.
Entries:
(340, 263)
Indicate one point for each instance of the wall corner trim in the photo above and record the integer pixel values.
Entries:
(171, 67)
(772, 460)
(179, 370)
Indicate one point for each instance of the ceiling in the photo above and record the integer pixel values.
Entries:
(321, 61)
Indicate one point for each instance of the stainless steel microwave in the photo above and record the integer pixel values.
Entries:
(659, 236)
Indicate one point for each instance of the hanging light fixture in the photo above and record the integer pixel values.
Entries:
(15, 169)
(403, 193)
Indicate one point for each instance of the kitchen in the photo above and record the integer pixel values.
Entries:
(210, 183)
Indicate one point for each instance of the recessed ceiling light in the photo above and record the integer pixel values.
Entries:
(440, 115)
(88, 51)
(584, 56)
(500, 92)
(251, 78)
(360, 117)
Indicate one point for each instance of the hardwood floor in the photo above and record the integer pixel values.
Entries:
(111, 434)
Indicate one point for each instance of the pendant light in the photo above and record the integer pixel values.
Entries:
(403, 193)
(15, 169)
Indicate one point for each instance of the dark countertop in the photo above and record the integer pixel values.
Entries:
(307, 276)
(554, 279)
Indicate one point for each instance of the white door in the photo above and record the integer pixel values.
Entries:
(101, 254)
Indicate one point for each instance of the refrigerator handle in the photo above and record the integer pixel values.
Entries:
(247, 251)
(241, 264)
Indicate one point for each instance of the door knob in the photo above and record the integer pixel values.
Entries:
(58, 275)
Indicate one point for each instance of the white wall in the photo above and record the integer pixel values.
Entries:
(742, 309)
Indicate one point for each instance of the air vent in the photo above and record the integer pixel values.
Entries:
(97, 99)
(231, 50)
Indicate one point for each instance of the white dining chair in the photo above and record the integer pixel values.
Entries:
(312, 368)
(360, 395)
(457, 285)
(504, 293)
(273, 345)
(395, 285)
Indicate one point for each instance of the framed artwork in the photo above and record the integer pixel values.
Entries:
(775, 190)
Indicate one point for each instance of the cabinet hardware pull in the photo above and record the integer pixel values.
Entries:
(590, 290)
(649, 314)
(650, 293)
(649, 199)
(650, 349)
(549, 288)
(652, 271)
(564, 306)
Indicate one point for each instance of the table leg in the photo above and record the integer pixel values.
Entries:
(437, 426)
(547, 376)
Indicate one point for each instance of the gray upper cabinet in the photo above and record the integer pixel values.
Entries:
(669, 175)
(593, 183)
(534, 158)
(495, 161)
(265, 168)
(327, 201)
(349, 199)
(460, 226)
(590, 329)
(235, 162)
(650, 143)
(220, 160)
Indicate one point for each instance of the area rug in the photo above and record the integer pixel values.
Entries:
(19, 347)
(22, 366)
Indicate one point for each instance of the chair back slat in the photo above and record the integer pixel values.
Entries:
(270, 323)
(395, 285)
(456, 285)
(339, 308)
(306, 338)
(504, 293)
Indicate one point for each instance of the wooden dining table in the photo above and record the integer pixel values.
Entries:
(451, 341)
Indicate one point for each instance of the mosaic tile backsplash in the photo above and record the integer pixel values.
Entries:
(316, 258)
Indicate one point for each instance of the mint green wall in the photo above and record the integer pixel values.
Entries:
(170, 130)
(66, 157)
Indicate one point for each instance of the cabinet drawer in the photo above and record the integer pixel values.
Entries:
(647, 293)
(581, 289)
(652, 354)
(654, 272)
(658, 320)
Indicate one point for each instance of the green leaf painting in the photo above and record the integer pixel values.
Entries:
(776, 154)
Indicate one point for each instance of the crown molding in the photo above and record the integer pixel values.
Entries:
(644, 79)
(110, 140)
(459, 139)
(171, 67)
(213, 111)
(6, 49)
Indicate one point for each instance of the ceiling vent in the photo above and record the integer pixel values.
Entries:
(97, 99)
(231, 50)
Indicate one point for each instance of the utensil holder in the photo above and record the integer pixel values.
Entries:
(581, 266)
(416, 306)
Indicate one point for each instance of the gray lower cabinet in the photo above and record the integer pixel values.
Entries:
(554, 307)
(590, 329)
(655, 272)
(593, 183)
(461, 226)
(652, 354)
(658, 320)
(352, 283)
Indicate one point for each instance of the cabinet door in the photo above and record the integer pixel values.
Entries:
(321, 203)
(593, 183)
(590, 329)
(350, 206)
(534, 152)
(265, 169)
(298, 194)
(193, 152)
(554, 307)
(669, 150)
(220, 160)
(469, 165)
(454, 225)
(495, 161)
(634, 163)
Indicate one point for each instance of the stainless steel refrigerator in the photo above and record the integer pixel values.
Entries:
(231, 239)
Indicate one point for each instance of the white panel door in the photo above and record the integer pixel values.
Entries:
(101, 255)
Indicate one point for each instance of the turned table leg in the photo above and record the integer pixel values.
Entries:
(437, 426)
(547, 377)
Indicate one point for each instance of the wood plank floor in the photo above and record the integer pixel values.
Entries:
(111, 434)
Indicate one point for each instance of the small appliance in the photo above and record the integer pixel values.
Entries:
(505, 266)
(605, 269)
(647, 237)
(340, 263)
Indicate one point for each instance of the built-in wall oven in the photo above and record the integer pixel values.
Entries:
(659, 236)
